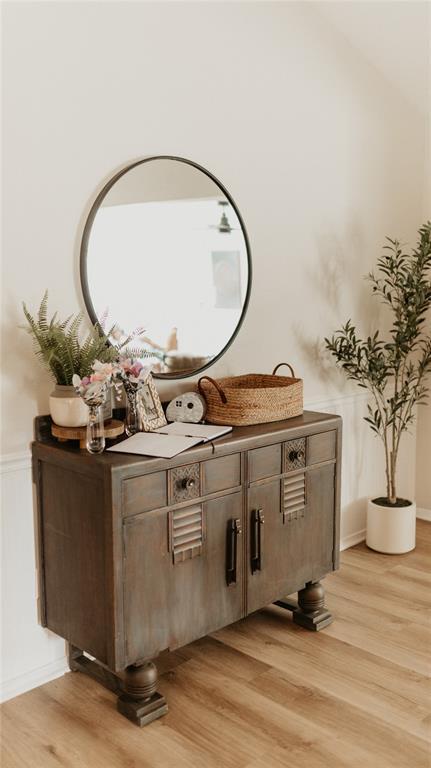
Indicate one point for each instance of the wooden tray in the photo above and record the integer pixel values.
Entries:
(112, 429)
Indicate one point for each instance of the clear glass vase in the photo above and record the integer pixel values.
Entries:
(95, 429)
(132, 425)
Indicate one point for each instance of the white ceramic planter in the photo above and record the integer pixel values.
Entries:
(391, 530)
(67, 408)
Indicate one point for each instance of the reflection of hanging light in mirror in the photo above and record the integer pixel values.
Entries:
(224, 225)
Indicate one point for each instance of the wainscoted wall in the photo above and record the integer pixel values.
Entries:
(320, 149)
(33, 655)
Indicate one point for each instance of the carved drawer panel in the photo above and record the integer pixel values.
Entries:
(184, 483)
(294, 497)
(186, 532)
(294, 454)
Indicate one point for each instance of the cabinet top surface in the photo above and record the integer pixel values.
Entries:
(241, 438)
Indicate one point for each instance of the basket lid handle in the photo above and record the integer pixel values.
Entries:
(223, 397)
(279, 366)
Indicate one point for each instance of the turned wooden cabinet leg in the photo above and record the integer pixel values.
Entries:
(311, 612)
(140, 701)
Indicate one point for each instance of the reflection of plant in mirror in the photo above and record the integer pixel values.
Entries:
(62, 350)
(394, 371)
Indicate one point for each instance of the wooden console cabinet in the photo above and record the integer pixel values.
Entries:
(139, 555)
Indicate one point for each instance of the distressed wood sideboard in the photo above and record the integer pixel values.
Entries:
(140, 555)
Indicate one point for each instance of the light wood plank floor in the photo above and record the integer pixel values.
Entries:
(265, 693)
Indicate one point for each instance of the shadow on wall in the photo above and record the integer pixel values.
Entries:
(25, 378)
(337, 279)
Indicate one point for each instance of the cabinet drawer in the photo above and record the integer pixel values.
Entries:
(264, 462)
(221, 474)
(141, 494)
(321, 447)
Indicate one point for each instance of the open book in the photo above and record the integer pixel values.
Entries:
(167, 442)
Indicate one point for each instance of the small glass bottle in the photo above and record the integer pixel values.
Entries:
(95, 429)
(132, 415)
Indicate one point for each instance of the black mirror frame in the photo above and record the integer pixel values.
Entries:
(84, 248)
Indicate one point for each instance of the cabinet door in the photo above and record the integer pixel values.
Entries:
(290, 536)
(320, 511)
(283, 565)
(176, 582)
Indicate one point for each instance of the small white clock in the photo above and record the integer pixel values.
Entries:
(189, 407)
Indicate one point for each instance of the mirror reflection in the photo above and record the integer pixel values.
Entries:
(165, 256)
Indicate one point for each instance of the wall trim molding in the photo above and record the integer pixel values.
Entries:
(32, 679)
(15, 462)
(353, 538)
(334, 400)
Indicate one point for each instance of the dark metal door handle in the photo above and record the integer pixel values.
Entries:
(257, 520)
(234, 530)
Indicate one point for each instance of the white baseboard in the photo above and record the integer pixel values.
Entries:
(352, 539)
(356, 538)
(32, 679)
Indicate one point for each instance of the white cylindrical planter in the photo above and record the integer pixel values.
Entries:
(390, 529)
(67, 408)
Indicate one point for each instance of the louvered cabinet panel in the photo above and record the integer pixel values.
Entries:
(186, 529)
(175, 585)
(294, 497)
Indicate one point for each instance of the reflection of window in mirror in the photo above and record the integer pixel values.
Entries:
(227, 279)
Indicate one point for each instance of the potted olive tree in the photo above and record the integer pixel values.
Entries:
(394, 371)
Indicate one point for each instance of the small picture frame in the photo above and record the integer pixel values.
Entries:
(149, 406)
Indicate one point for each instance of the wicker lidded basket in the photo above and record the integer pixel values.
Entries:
(253, 398)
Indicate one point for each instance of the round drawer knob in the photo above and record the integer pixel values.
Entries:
(188, 483)
(296, 455)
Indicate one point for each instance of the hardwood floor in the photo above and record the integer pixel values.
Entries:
(265, 693)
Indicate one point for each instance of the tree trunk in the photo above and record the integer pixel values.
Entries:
(392, 481)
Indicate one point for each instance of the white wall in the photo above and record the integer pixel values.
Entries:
(423, 464)
(320, 150)
(423, 467)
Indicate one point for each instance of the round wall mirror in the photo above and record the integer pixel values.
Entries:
(165, 257)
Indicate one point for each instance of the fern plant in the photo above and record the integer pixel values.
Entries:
(393, 371)
(61, 349)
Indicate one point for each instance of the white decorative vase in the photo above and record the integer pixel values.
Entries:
(390, 529)
(67, 408)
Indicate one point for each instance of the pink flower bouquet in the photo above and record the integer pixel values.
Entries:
(132, 371)
(93, 388)
(133, 375)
